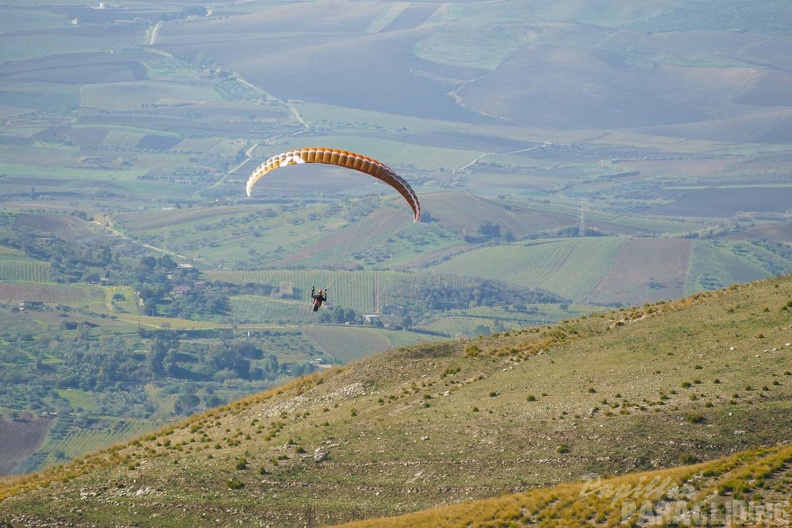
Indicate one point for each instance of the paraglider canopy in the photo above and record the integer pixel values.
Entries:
(341, 158)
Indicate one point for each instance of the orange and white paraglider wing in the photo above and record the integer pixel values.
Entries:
(340, 158)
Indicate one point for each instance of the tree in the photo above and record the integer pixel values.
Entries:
(488, 231)
(226, 357)
(485, 232)
(166, 263)
(159, 347)
(247, 349)
(170, 363)
(148, 262)
(186, 403)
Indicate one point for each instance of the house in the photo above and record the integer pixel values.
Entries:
(181, 290)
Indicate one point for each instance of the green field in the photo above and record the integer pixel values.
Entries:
(23, 270)
(347, 344)
(567, 267)
(717, 264)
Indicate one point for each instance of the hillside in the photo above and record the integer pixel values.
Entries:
(750, 488)
(613, 394)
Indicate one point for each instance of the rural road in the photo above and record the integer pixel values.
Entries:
(479, 158)
(154, 33)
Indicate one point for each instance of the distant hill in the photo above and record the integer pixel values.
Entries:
(705, 70)
(556, 414)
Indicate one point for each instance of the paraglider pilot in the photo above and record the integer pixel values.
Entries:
(318, 298)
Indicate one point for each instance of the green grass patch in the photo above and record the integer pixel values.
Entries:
(78, 399)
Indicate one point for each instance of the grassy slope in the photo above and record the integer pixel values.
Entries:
(709, 494)
(438, 424)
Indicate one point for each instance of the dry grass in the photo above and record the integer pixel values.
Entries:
(614, 501)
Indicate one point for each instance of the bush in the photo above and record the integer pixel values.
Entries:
(688, 458)
(234, 484)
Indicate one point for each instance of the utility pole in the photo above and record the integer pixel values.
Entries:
(376, 292)
(165, 239)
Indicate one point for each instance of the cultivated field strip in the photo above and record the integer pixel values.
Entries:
(24, 270)
(128, 96)
(77, 441)
(77, 295)
(354, 289)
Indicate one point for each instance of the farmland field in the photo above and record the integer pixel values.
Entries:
(40, 96)
(380, 90)
(120, 298)
(29, 19)
(716, 264)
(354, 289)
(566, 267)
(79, 296)
(23, 270)
(709, 15)
(645, 262)
(347, 344)
(473, 326)
(250, 309)
(73, 437)
(20, 437)
(727, 201)
(405, 157)
(126, 96)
